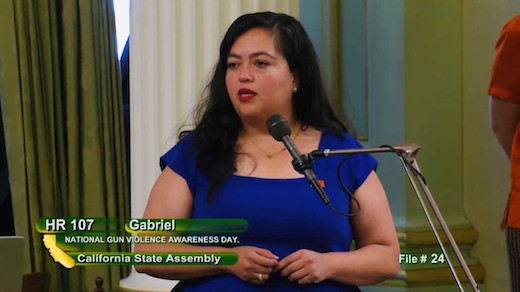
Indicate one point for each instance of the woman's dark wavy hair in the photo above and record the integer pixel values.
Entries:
(217, 125)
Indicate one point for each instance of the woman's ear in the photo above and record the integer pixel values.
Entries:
(296, 83)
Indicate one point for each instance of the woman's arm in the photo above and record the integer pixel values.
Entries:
(504, 117)
(171, 198)
(377, 249)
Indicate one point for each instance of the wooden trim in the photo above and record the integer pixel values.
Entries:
(442, 276)
(425, 237)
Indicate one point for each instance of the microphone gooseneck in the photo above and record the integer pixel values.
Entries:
(279, 128)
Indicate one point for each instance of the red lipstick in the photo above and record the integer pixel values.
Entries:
(245, 94)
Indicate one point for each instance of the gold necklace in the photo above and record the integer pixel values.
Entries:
(270, 155)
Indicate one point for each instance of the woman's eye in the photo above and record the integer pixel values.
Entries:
(231, 65)
(261, 64)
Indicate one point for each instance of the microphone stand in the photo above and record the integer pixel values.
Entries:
(407, 154)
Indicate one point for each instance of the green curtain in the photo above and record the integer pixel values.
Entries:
(61, 102)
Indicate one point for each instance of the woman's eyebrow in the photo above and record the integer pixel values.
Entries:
(255, 54)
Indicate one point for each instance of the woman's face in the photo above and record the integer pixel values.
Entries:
(258, 78)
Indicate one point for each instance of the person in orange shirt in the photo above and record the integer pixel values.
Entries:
(504, 111)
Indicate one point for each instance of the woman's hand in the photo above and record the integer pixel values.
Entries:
(304, 266)
(254, 264)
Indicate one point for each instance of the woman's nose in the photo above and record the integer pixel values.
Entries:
(245, 74)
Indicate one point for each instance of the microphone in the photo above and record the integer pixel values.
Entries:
(279, 128)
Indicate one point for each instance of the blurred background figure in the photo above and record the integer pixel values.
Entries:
(504, 91)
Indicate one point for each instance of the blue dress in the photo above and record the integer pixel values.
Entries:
(283, 215)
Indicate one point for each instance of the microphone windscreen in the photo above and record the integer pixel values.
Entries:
(278, 127)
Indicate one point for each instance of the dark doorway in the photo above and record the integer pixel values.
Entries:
(6, 209)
